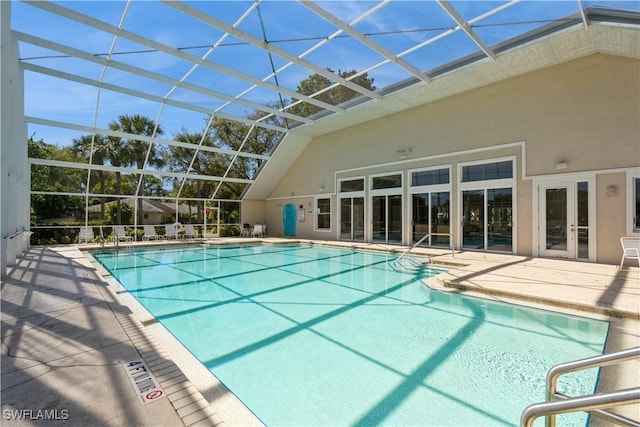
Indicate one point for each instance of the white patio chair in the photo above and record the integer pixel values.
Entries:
(120, 234)
(86, 234)
(258, 230)
(630, 248)
(150, 233)
(245, 231)
(190, 231)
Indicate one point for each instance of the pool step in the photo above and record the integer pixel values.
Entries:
(410, 264)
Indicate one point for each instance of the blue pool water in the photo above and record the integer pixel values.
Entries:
(311, 335)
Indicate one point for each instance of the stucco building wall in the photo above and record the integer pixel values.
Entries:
(585, 113)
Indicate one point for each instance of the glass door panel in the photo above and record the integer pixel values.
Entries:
(583, 220)
(394, 215)
(473, 219)
(346, 219)
(379, 218)
(556, 219)
(420, 218)
(386, 218)
(499, 219)
(440, 218)
(358, 218)
(352, 218)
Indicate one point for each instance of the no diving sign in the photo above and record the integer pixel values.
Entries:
(143, 381)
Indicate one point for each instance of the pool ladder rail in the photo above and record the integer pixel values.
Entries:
(596, 404)
(396, 262)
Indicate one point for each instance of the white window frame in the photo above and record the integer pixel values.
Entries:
(350, 195)
(394, 191)
(573, 179)
(433, 188)
(317, 213)
(485, 185)
(630, 229)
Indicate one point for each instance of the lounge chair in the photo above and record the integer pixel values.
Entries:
(150, 233)
(171, 231)
(630, 248)
(86, 234)
(120, 234)
(190, 232)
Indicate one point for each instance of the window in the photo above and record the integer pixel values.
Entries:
(487, 171)
(323, 214)
(430, 177)
(387, 181)
(351, 185)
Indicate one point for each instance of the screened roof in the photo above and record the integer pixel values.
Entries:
(192, 67)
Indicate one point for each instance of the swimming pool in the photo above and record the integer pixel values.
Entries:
(311, 335)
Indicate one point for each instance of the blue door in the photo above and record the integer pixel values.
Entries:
(289, 219)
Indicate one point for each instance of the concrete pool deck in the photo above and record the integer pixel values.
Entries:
(66, 330)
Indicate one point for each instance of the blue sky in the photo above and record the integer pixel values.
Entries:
(288, 25)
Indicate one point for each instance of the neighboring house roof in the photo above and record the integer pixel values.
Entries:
(150, 206)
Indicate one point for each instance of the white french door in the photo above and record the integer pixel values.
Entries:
(564, 213)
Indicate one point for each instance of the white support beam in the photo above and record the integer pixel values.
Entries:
(269, 47)
(109, 132)
(143, 95)
(135, 171)
(125, 196)
(36, 41)
(365, 40)
(453, 13)
(585, 21)
(95, 23)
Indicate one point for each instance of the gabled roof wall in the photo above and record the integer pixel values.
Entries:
(611, 32)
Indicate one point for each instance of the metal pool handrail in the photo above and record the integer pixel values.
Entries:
(425, 237)
(595, 403)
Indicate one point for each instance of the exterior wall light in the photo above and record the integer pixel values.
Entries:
(561, 164)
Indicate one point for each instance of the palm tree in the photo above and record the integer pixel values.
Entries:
(115, 151)
(179, 159)
(83, 147)
(136, 150)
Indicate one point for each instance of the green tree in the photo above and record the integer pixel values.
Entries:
(135, 151)
(114, 150)
(54, 179)
(91, 147)
(125, 211)
(238, 136)
(179, 159)
(335, 96)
